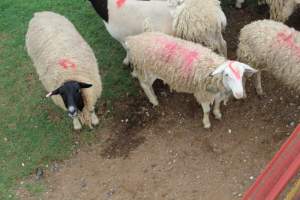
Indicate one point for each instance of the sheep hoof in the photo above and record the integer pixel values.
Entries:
(207, 126)
(77, 127)
(154, 103)
(126, 62)
(238, 6)
(218, 116)
(95, 120)
(260, 94)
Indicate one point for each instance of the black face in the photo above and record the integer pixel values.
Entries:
(101, 8)
(71, 94)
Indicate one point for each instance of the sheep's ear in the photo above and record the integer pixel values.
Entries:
(84, 85)
(219, 70)
(54, 92)
(249, 70)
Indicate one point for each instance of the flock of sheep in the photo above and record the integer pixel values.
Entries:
(177, 41)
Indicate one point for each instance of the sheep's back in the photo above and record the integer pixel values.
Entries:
(184, 65)
(197, 15)
(274, 47)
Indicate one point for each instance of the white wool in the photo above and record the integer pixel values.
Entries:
(130, 19)
(273, 47)
(202, 22)
(52, 39)
(280, 10)
(187, 69)
(199, 21)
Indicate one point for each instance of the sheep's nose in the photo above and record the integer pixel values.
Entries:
(72, 111)
(238, 95)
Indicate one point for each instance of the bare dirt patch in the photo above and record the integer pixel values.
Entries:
(164, 153)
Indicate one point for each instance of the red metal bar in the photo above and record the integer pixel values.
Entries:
(284, 160)
(283, 181)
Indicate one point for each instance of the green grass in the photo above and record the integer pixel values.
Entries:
(35, 189)
(27, 134)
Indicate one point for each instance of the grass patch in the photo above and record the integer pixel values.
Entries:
(33, 131)
(35, 189)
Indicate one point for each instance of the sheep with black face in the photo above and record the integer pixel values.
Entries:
(66, 66)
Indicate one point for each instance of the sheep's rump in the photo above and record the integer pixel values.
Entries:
(59, 54)
(200, 21)
(274, 47)
(184, 65)
(281, 10)
(135, 17)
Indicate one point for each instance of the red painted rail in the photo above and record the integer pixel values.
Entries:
(284, 165)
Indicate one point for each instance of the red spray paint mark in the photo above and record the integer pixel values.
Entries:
(235, 71)
(120, 3)
(172, 51)
(287, 40)
(189, 59)
(169, 50)
(65, 64)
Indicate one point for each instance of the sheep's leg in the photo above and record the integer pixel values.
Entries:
(244, 87)
(206, 111)
(76, 123)
(258, 86)
(225, 100)
(216, 111)
(134, 73)
(146, 84)
(95, 120)
(238, 3)
(126, 61)
(260, 2)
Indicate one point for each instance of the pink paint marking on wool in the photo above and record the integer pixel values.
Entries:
(172, 49)
(287, 39)
(189, 59)
(120, 3)
(236, 73)
(65, 64)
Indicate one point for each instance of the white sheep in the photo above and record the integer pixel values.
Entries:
(66, 66)
(274, 47)
(280, 10)
(199, 21)
(186, 67)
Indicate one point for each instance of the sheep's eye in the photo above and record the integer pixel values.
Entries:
(226, 75)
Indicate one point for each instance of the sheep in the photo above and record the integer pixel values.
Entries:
(280, 10)
(124, 18)
(274, 47)
(66, 66)
(186, 67)
(201, 22)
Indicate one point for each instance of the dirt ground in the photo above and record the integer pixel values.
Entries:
(164, 153)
